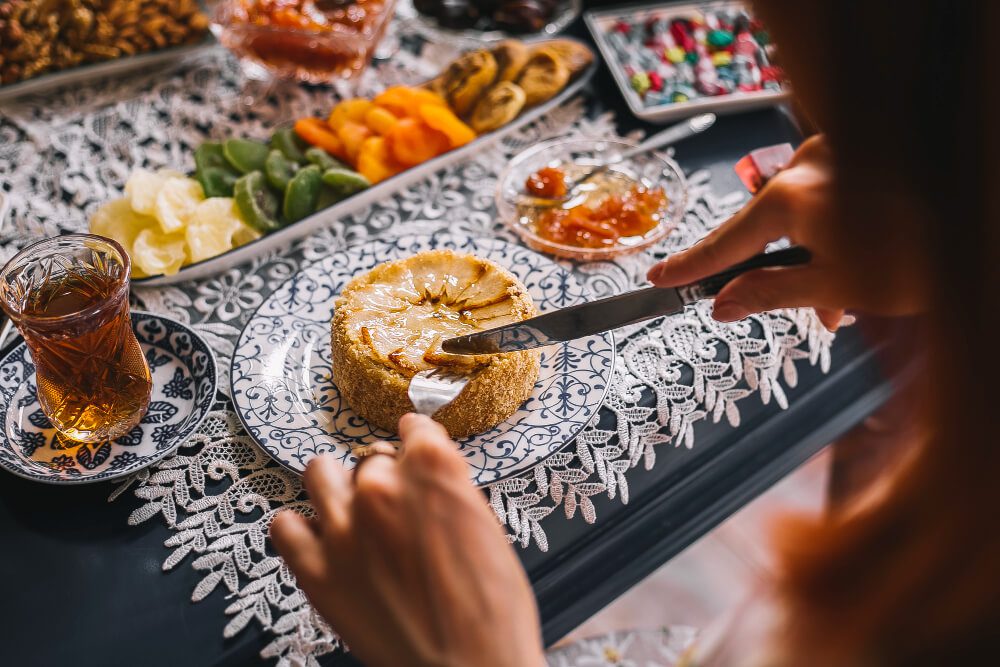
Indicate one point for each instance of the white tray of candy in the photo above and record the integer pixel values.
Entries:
(659, 81)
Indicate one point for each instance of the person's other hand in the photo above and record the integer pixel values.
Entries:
(798, 203)
(408, 562)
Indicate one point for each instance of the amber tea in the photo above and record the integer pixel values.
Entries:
(68, 297)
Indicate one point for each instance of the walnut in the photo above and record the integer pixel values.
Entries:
(37, 36)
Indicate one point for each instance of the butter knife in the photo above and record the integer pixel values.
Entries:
(594, 317)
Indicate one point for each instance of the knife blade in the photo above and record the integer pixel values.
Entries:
(594, 317)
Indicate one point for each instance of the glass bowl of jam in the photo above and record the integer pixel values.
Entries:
(629, 206)
(316, 41)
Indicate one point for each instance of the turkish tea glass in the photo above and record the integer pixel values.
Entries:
(68, 296)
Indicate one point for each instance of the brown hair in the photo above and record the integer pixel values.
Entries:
(910, 574)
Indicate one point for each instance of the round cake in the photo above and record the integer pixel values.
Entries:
(388, 325)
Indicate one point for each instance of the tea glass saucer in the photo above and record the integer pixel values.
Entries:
(184, 382)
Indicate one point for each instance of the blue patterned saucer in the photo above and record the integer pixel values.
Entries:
(183, 368)
(286, 398)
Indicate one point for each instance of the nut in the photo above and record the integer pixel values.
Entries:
(38, 36)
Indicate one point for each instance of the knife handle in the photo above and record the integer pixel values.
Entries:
(712, 285)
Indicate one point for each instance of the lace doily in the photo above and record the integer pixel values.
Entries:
(62, 156)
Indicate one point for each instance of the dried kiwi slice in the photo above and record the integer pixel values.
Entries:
(279, 170)
(212, 170)
(245, 155)
(344, 182)
(257, 203)
(322, 159)
(290, 144)
(302, 193)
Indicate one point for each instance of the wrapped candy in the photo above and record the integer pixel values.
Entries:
(674, 57)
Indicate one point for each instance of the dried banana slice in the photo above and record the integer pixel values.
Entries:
(574, 55)
(497, 107)
(543, 76)
(511, 56)
(467, 78)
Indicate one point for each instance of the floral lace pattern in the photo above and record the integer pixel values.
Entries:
(63, 156)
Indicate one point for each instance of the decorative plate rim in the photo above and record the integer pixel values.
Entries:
(610, 337)
(158, 456)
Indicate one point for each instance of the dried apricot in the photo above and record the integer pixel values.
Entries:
(351, 134)
(316, 132)
(445, 121)
(380, 120)
(403, 101)
(375, 160)
(353, 110)
(413, 142)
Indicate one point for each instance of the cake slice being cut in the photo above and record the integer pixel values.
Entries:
(388, 325)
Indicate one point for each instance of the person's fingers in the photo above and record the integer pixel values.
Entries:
(329, 488)
(377, 486)
(427, 447)
(832, 318)
(763, 220)
(298, 544)
(768, 289)
(412, 422)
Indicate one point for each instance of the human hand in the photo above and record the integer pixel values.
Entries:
(408, 562)
(798, 203)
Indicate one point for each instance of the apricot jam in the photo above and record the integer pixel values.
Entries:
(603, 222)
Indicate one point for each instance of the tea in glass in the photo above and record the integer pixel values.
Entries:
(68, 296)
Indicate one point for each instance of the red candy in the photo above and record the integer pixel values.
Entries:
(623, 27)
(680, 31)
(745, 45)
(757, 168)
(655, 81)
(770, 73)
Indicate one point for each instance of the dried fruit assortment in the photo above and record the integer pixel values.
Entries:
(275, 183)
(39, 36)
(479, 92)
(243, 188)
(165, 221)
(399, 128)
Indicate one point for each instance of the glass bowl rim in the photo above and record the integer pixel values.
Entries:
(658, 233)
(222, 19)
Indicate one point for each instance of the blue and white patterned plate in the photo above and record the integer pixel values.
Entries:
(286, 398)
(184, 377)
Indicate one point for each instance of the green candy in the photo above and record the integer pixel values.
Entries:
(245, 155)
(290, 145)
(720, 39)
(322, 159)
(213, 171)
(640, 82)
(302, 193)
(257, 203)
(344, 182)
(691, 57)
(279, 170)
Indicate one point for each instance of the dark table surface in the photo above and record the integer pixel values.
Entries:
(80, 586)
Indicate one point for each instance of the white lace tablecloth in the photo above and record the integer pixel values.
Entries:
(64, 154)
